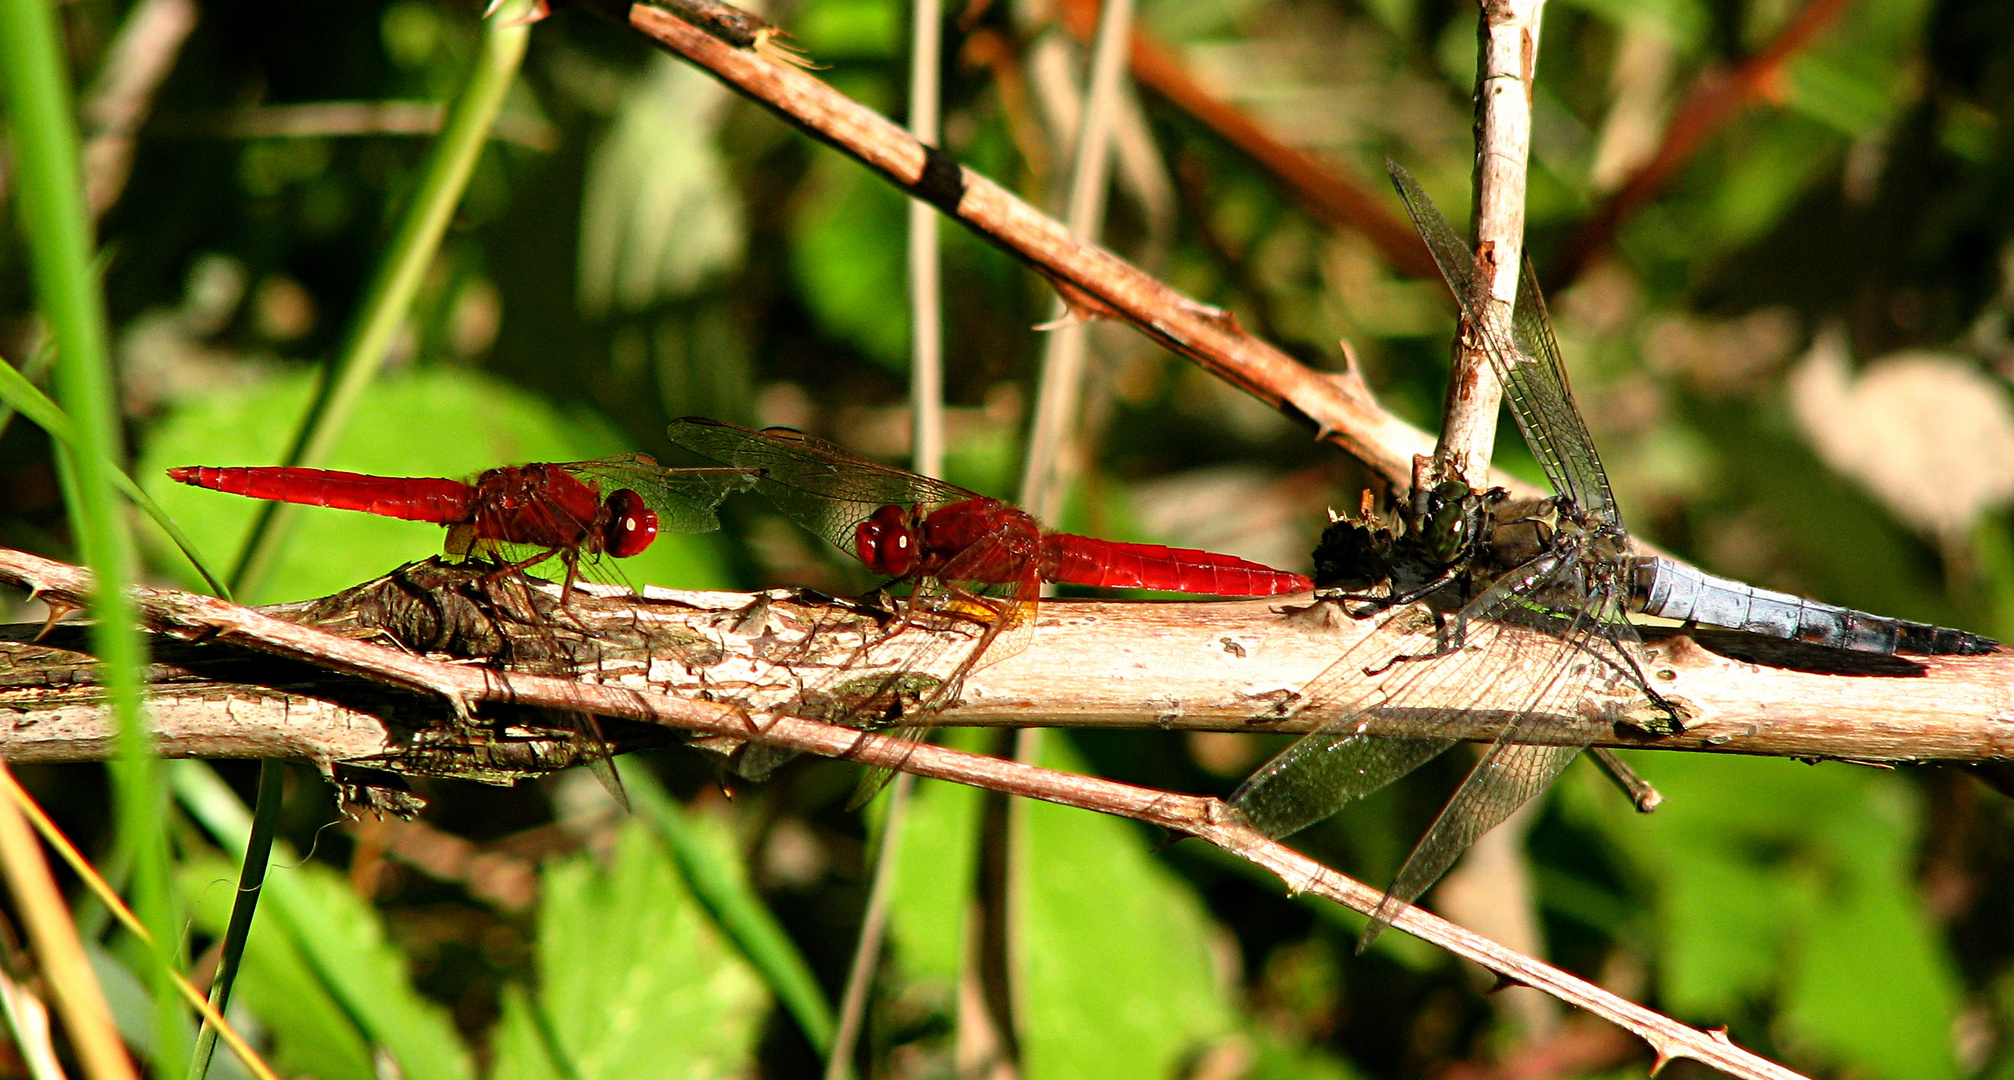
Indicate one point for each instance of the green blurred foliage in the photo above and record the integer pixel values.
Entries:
(638, 244)
(441, 422)
(632, 977)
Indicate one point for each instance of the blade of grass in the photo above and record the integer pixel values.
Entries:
(58, 226)
(18, 799)
(464, 131)
(79, 998)
(723, 889)
(251, 880)
(21, 395)
(442, 181)
(37, 366)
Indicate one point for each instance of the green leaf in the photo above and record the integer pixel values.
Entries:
(433, 422)
(337, 942)
(633, 978)
(933, 882)
(1114, 952)
(703, 849)
(1773, 878)
(659, 216)
(862, 29)
(848, 255)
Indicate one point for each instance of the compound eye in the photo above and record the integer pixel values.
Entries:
(886, 543)
(632, 525)
(1447, 530)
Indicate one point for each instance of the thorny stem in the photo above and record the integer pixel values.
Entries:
(1204, 818)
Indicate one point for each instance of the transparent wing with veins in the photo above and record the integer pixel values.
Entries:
(1533, 375)
(1390, 705)
(685, 499)
(821, 486)
(886, 683)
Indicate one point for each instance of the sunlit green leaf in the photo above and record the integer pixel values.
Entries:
(1120, 973)
(1777, 880)
(633, 980)
(848, 255)
(433, 422)
(658, 217)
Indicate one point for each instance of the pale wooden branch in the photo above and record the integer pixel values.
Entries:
(218, 623)
(1167, 666)
(1507, 55)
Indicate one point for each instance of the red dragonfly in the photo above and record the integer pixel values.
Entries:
(549, 509)
(963, 554)
(552, 509)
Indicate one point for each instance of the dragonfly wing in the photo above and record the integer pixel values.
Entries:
(1581, 692)
(1394, 701)
(1507, 777)
(1533, 375)
(817, 484)
(685, 499)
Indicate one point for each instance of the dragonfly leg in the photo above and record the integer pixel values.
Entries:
(1375, 604)
(1445, 644)
(956, 611)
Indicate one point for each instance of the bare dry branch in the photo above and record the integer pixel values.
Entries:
(218, 622)
(322, 119)
(1339, 407)
(1170, 666)
(149, 42)
(1507, 56)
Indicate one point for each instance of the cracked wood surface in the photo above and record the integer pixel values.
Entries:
(1172, 666)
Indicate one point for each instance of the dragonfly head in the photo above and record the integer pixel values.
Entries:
(1447, 519)
(886, 542)
(631, 525)
(1353, 555)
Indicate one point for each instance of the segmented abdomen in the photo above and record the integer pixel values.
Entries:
(1672, 590)
(445, 502)
(1112, 564)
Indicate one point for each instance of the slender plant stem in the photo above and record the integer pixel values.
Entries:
(443, 180)
(251, 880)
(390, 297)
(873, 929)
(1058, 399)
(54, 214)
(926, 312)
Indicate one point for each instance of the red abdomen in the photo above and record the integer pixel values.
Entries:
(1111, 564)
(445, 502)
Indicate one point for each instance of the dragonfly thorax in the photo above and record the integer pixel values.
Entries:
(1447, 520)
(977, 539)
(546, 506)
